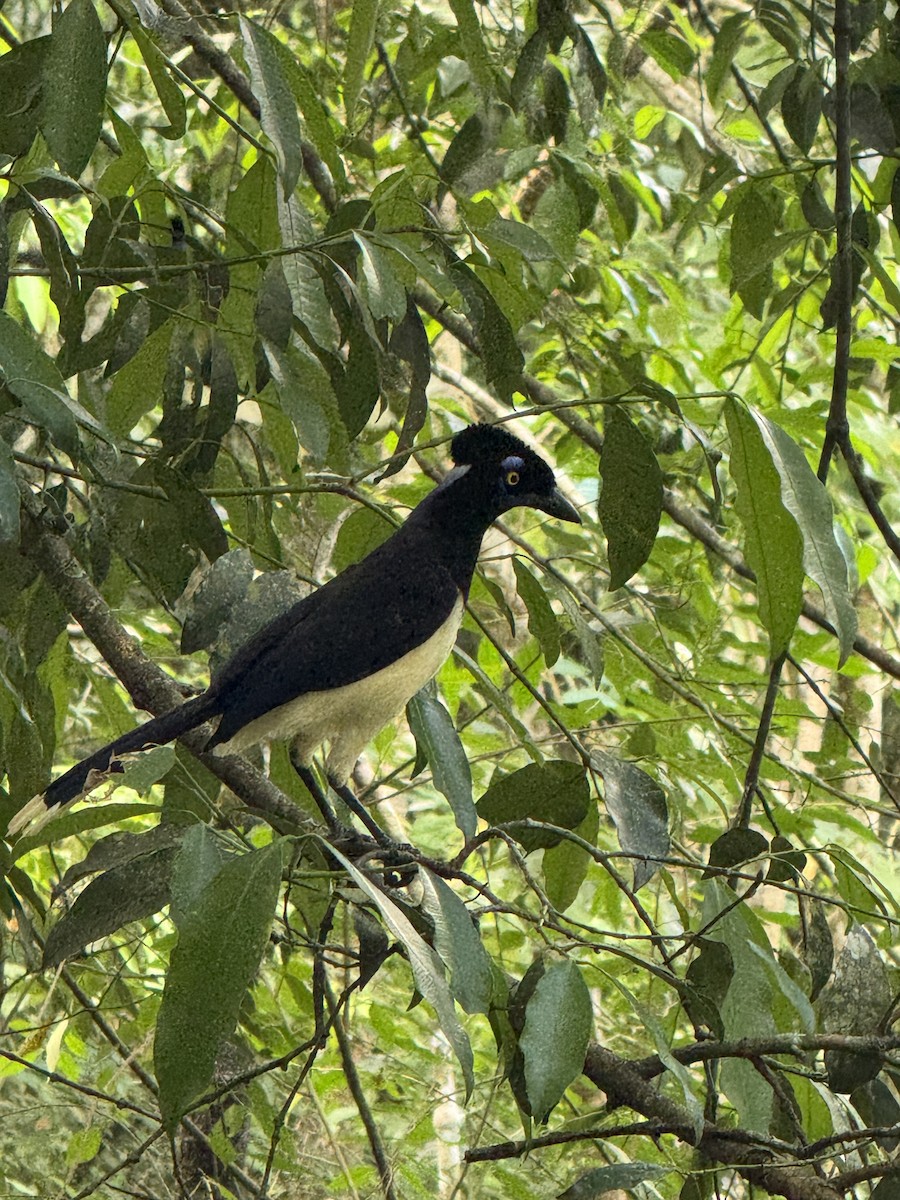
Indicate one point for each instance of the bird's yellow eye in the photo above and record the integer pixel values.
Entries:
(512, 478)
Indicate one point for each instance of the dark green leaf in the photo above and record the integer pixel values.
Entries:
(806, 499)
(9, 496)
(565, 866)
(556, 792)
(631, 497)
(774, 90)
(786, 864)
(305, 394)
(542, 620)
(878, 1107)
(21, 81)
(129, 892)
(773, 542)
(225, 583)
(202, 855)
(618, 1177)
(457, 941)
(315, 115)
(801, 108)
(815, 207)
(637, 805)
(590, 65)
(436, 734)
(736, 846)
(220, 944)
(752, 230)
(409, 342)
(870, 121)
(707, 981)
(358, 385)
(895, 197)
(278, 112)
(558, 1022)
(528, 68)
(362, 37)
(725, 46)
(475, 52)
(74, 78)
(35, 381)
(138, 386)
(855, 1002)
(385, 293)
(503, 360)
(170, 94)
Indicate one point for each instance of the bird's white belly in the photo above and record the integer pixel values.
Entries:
(349, 717)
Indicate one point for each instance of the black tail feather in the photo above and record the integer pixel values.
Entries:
(75, 781)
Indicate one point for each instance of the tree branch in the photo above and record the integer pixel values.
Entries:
(149, 687)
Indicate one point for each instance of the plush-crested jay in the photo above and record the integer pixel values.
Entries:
(343, 662)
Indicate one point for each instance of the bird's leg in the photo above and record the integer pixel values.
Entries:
(311, 784)
(307, 776)
(364, 815)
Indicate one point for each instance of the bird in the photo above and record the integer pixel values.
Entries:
(344, 661)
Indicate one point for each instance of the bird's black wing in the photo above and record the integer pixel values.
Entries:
(361, 621)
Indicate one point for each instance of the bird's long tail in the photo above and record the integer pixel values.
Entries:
(156, 732)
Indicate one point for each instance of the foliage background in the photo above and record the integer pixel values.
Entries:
(260, 262)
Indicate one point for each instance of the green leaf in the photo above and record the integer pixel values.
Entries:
(556, 792)
(363, 21)
(35, 381)
(426, 967)
(801, 108)
(457, 941)
(773, 544)
(752, 229)
(315, 115)
(305, 394)
(558, 1023)
(503, 360)
(815, 207)
(170, 94)
(672, 53)
(220, 944)
(727, 40)
(808, 503)
(129, 892)
(201, 857)
(637, 805)
(224, 583)
(74, 78)
(83, 1146)
(542, 620)
(475, 52)
(9, 496)
(618, 1177)
(137, 387)
(436, 734)
(385, 293)
(631, 497)
(21, 91)
(278, 112)
(565, 866)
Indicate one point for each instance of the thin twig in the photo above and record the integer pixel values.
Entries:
(751, 778)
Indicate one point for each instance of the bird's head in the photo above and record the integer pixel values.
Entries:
(501, 473)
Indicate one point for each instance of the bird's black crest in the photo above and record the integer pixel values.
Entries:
(486, 443)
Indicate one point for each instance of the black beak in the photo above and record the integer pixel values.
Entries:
(554, 505)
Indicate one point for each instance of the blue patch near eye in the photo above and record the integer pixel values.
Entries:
(513, 463)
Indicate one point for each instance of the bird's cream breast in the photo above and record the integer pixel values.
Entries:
(349, 717)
